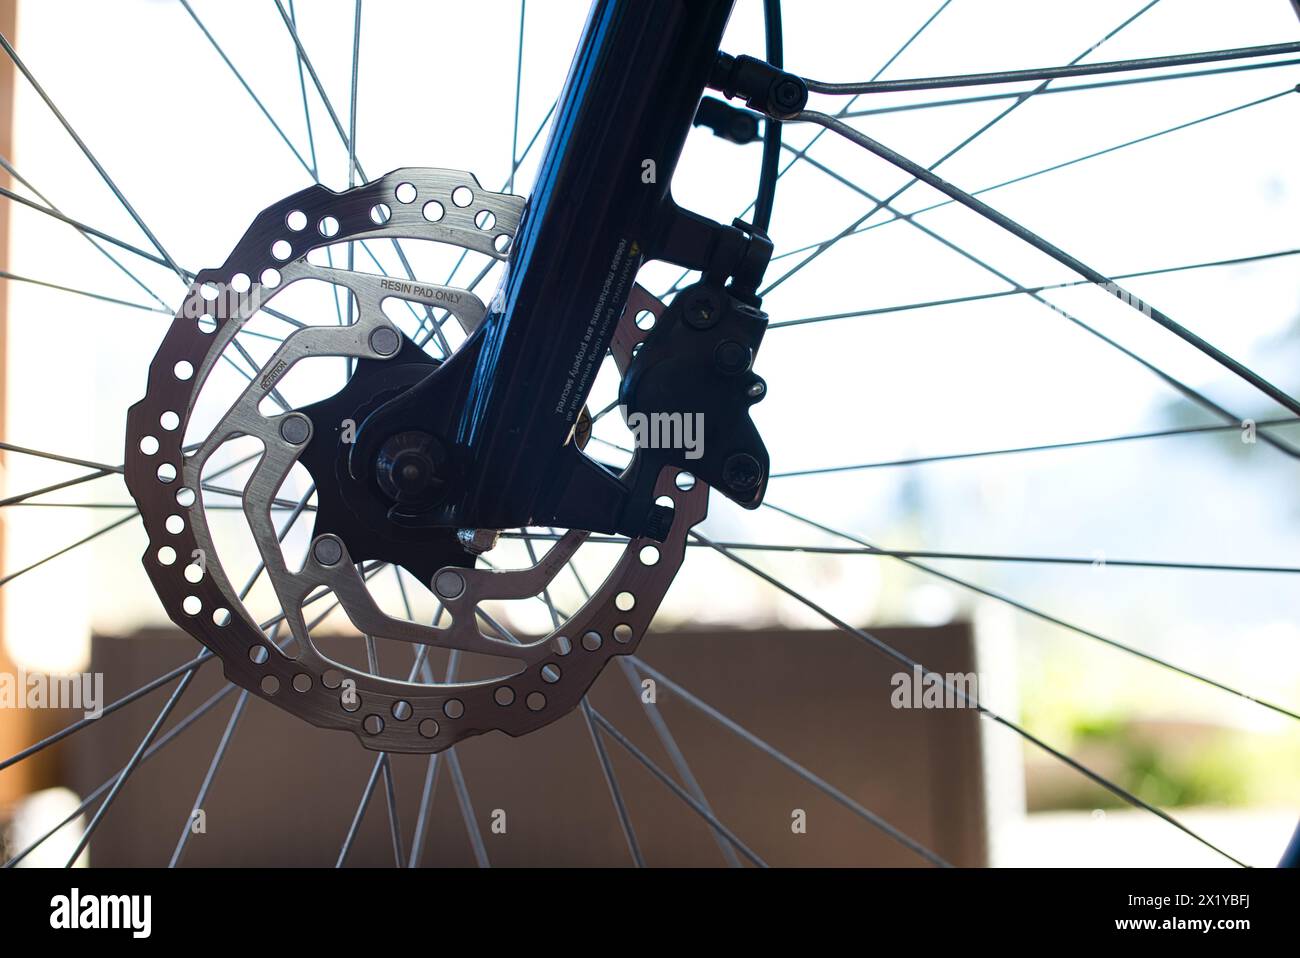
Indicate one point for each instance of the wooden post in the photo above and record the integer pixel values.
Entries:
(15, 725)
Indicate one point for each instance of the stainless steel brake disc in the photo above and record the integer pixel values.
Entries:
(548, 676)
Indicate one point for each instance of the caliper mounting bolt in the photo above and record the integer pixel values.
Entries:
(741, 472)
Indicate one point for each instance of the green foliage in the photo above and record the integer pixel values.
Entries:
(1167, 764)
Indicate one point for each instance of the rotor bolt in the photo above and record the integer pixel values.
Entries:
(732, 357)
(295, 429)
(327, 550)
(741, 472)
(449, 584)
(385, 341)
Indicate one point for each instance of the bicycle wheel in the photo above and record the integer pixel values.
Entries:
(326, 572)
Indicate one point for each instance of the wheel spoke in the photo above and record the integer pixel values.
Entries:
(431, 771)
(426, 809)
(602, 757)
(109, 709)
(611, 781)
(85, 150)
(467, 809)
(171, 735)
(684, 770)
(816, 781)
(676, 756)
(207, 486)
(355, 170)
(305, 61)
(360, 813)
(1004, 557)
(352, 160)
(188, 828)
(472, 830)
(661, 730)
(514, 168)
(865, 550)
(1094, 276)
(130, 767)
(181, 670)
(1091, 276)
(390, 792)
(234, 718)
(6, 579)
(519, 79)
(89, 231)
(1053, 168)
(381, 766)
(997, 294)
(97, 244)
(1023, 99)
(883, 647)
(102, 297)
(676, 789)
(390, 786)
(242, 82)
(55, 487)
(221, 507)
(314, 167)
(167, 738)
(1007, 600)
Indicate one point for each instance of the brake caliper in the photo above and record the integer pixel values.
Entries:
(692, 383)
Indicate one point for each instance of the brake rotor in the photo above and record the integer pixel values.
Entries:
(550, 675)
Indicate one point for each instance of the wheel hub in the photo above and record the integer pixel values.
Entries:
(364, 512)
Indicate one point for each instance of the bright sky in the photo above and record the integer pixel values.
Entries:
(188, 147)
